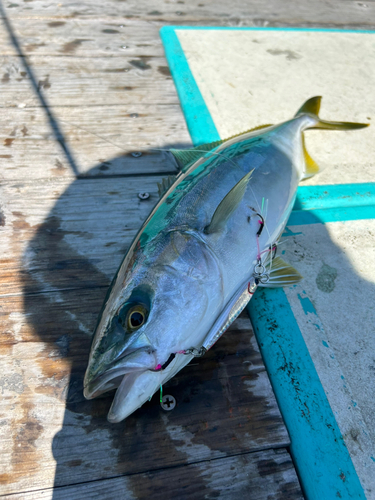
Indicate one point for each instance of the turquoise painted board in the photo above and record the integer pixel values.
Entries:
(200, 124)
(320, 455)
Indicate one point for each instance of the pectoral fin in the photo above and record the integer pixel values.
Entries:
(280, 274)
(228, 205)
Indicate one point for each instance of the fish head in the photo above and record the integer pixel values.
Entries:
(162, 302)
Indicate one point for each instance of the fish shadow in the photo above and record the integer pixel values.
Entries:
(65, 273)
(67, 268)
(70, 262)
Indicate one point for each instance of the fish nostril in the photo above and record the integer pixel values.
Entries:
(118, 326)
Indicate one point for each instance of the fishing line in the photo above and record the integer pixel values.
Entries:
(150, 149)
(263, 218)
(258, 254)
(235, 164)
(94, 134)
(259, 208)
(264, 214)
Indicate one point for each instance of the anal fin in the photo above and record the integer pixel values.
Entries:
(280, 274)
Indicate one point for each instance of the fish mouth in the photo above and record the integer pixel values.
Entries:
(139, 386)
(135, 385)
(133, 389)
(138, 361)
(106, 382)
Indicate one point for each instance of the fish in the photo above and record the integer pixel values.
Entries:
(200, 255)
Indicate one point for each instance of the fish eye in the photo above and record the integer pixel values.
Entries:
(136, 317)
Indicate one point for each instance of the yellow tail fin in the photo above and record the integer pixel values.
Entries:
(312, 107)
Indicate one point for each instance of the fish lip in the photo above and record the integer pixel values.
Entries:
(92, 388)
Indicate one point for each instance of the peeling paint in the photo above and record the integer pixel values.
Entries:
(307, 305)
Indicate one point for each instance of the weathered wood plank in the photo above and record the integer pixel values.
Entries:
(59, 235)
(265, 475)
(101, 140)
(326, 12)
(75, 38)
(225, 404)
(88, 81)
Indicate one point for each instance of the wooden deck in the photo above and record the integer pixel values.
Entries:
(83, 86)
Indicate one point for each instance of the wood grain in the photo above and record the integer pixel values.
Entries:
(339, 13)
(94, 81)
(101, 140)
(265, 475)
(225, 404)
(94, 38)
(100, 69)
(59, 235)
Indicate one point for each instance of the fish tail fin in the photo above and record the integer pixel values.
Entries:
(312, 106)
(311, 167)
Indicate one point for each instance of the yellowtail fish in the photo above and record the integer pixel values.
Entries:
(206, 246)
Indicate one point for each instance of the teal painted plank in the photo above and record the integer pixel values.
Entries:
(332, 203)
(334, 196)
(200, 124)
(339, 198)
(335, 214)
(227, 28)
(320, 455)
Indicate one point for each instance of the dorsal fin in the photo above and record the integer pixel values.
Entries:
(186, 157)
(165, 184)
(228, 205)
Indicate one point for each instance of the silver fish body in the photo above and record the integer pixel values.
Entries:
(196, 260)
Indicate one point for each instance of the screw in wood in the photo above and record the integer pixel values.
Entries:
(168, 402)
(144, 196)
